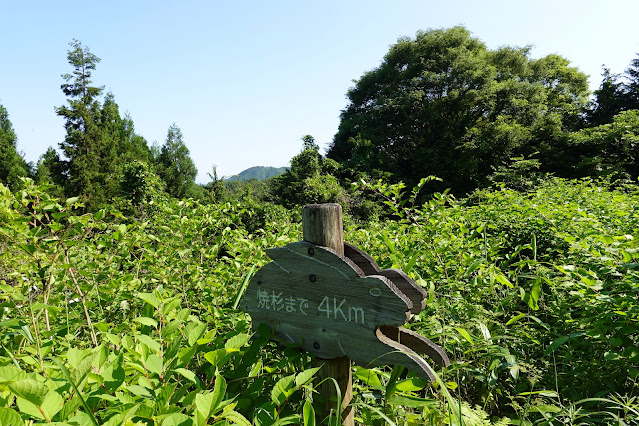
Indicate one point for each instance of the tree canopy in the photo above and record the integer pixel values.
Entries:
(175, 165)
(98, 139)
(444, 104)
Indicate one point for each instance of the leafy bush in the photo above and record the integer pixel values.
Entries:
(108, 320)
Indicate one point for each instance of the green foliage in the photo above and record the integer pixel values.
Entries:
(51, 170)
(175, 166)
(310, 179)
(257, 172)
(616, 93)
(97, 141)
(520, 174)
(105, 319)
(12, 165)
(444, 104)
(140, 187)
(610, 150)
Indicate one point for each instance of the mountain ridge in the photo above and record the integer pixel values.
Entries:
(257, 172)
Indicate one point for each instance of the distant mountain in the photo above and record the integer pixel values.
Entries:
(258, 172)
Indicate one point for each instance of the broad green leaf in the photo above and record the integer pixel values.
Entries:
(237, 341)
(150, 298)
(29, 248)
(140, 391)
(283, 389)
(154, 364)
(612, 356)
(532, 298)
(196, 332)
(236, 418)
(305, 376)
(149, 341)
(99, 215)
(207, 404)
(33, 391)
(556, 343)
(170, 305)
(146, 321)
(187, 354)
(544, 408)
(177, 419)
(501, 278)
(76, 356)
(183, 314)
(10, 373)
(473, 266)
(309, 413)
(163, 397)
(219, 390)
(369, 377)
(171, 328)
(49, 407)
(11, 323)
(188, 374)
(411, 385)
(113, 374)
(9, 417)
(256, 369)
(219, 356)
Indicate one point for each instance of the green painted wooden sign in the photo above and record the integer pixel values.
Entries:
(333, 306)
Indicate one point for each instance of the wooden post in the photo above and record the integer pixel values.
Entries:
(322, 225)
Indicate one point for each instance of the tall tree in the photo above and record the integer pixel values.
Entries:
(632, 85)
(443, 104)
(51, 169)
(175, 166)
(82, 144)
(12, 165)
(98, 139)
(310, 179)
(616, 93)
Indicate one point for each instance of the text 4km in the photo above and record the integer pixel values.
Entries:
(339, 311)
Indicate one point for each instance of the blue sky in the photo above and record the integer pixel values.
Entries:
(246, 80)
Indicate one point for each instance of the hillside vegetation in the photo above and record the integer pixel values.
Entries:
(493, 179)
(115, 320)
(257, 172)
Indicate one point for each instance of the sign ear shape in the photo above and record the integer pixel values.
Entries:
(417, 343)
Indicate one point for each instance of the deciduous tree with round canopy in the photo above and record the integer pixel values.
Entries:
(444, 104)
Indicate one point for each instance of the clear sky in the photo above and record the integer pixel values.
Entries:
(245, 80)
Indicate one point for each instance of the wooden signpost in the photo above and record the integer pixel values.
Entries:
(334, 301)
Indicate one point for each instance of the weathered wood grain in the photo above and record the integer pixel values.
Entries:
(417, 343)
(320, 300)
(406, 285)
(322, 225)
(403, 282)
(399, 355)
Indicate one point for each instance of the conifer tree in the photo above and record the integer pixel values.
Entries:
(98, 140)
(175, 166)
(12, 165)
